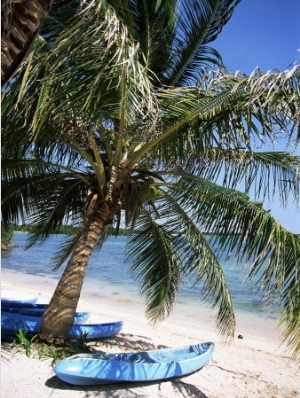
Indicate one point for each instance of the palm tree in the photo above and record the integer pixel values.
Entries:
(139, 129)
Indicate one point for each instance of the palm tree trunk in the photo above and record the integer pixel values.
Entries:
(59, 315)
(20, 23)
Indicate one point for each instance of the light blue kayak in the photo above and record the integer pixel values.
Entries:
(39, 309)
(94, 369)
(11, 323)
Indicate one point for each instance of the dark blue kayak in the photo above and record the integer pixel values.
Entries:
(93, 369)
(39, 309)
(31, 308)
(12, 322)
(18, 303)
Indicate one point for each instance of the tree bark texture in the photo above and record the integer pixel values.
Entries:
(21, 21)
(59, 315)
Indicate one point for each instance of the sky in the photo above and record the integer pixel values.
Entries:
(264, 34)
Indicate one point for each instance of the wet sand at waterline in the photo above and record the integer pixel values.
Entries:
(256, 365)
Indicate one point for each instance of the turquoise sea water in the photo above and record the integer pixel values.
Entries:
(106, 268)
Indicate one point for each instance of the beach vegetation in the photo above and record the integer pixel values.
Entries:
(59, 352)
(128, 118)
(7, 233)
(24, 341)
(32, 346)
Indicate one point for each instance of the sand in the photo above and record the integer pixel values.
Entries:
(256, 365)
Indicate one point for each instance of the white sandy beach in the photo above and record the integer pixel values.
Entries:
(255, 366)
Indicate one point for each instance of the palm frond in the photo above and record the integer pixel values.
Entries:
(228, 112)
(199, 261)
(60, 17)
(245, 228)
(65, 251)
(144, 20)
(71, 78)
(153, 260)
(110, 49)
(199, 23)
(291, 316)
(40, 192)
(264, 174)
(64, 203)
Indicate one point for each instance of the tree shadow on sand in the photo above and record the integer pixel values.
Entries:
(128, 342)
(129, 390)
(125, 342)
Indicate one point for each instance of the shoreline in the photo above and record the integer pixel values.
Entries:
(257, 331)
(255, 366)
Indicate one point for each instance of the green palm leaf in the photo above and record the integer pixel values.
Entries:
(243, 227)
(263, 174)
(199, 260)
(227, 112)
(199, 23)
(155, 264)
